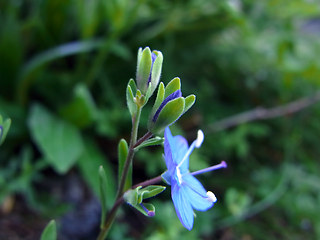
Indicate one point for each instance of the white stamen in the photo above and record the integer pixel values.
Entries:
(179, 175)
(199, 139)
(196, 143)
(211, 197)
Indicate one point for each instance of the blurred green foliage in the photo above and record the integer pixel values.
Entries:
(64, 66)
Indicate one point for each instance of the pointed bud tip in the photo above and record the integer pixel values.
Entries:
(151, 213)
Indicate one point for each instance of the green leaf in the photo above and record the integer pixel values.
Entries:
(59, 141)
(149, 191)
(103, 183)
(132, 106)
(50, 232)
(122, 155)
(189, 101)
(151, 142)
(4, 128)
(81, 111)
(172, 86)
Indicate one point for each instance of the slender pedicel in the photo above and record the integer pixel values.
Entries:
(223, 164)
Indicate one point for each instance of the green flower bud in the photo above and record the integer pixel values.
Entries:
(149, 67)
(169, 106)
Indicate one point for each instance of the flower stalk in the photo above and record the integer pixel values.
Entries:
(119, 197)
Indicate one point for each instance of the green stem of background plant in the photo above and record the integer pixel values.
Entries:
(112, 214)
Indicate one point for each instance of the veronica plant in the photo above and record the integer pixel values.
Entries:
(169, 106)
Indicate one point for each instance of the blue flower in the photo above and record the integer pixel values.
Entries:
(186, 191)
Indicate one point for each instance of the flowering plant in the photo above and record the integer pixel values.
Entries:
(186, 191)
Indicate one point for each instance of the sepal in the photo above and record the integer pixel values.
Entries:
(130, 95)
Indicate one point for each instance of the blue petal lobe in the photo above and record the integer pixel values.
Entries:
(196, 194)
(182, 206)
(180, 149)
(175, 148)
(168, 143)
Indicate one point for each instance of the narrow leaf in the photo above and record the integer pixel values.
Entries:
(151, 142)
(122, 155)
(50, 232)
(103, 183)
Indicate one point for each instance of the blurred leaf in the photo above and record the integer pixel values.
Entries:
(103, 183)
(59, 141)
(27, 73)
(89, 163)
(4, 128)
(237, 201)
(50, 232)
(81, 111)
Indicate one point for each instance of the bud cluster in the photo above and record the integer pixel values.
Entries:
(169, 104)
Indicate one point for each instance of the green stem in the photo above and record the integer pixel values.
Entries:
(119, 199)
